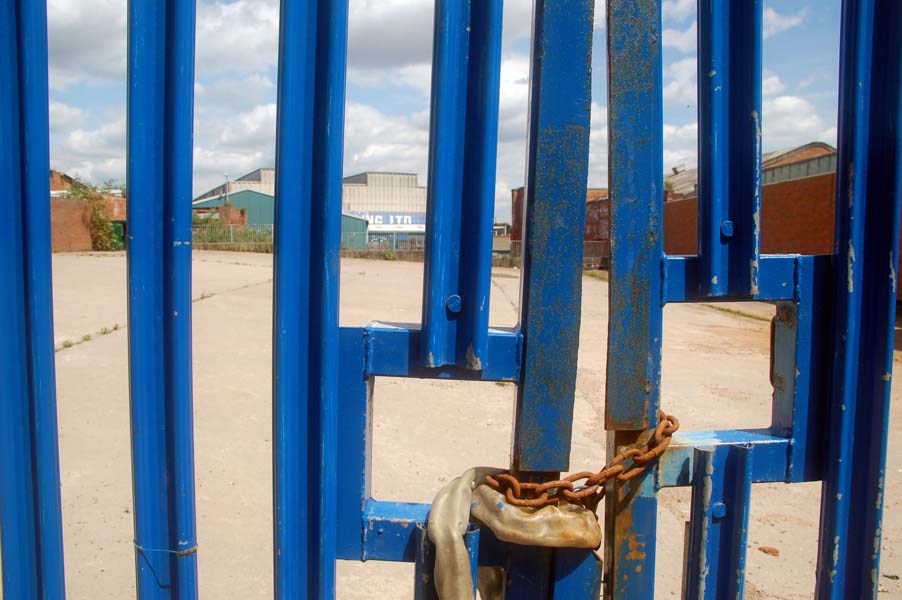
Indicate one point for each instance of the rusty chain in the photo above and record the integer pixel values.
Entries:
(588, 494)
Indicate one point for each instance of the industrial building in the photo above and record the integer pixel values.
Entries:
(392, 204)
(798, 197)
(797, 202)
(807, 160)
(261, 180)
(259, 213)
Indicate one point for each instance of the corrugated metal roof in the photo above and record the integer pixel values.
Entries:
(686, 182)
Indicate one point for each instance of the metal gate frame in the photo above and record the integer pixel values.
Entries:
(833, 333)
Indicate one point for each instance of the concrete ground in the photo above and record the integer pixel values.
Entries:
(715, 376)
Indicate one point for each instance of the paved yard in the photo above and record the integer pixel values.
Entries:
(715, 376)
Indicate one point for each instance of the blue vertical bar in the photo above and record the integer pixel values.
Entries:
(868, 188)
(577, 574)
(30, 514)
(461, 196)
(557, 172)
(634, 338)
(528, 573)
(478, 201)
(160, 144)
(719, 523)
(729, 182)
(309, 138)
(447, 136)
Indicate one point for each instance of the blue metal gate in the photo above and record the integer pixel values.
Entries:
(832, 336)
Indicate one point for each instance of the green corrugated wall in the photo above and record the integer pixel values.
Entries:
(259, 207)
(261, 211)
(353, 232)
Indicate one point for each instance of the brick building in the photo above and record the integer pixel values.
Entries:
(797, 203)
(70, 218)
(797, 212)
(796, 218)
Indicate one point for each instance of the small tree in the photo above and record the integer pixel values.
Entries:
(103, 234)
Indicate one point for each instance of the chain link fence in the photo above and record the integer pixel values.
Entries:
(224, 236)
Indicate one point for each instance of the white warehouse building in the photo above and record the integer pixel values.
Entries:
(386, 197)
(394, 204)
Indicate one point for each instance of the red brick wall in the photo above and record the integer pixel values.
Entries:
(796, 218)
(115, 206)
(681, 226)
(231, 215)
(69, 229)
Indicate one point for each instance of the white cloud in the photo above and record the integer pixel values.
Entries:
(251, 129)
(680, 85)
(678, 10)
(775, 22)
(237, 37)
(416, 78)
(772, 85)
(94, 154)
(86, 41)
(681, 134)
(791, 120)
(680, 145)
(233, 94)
(682, 40)
(598, 146)
(65, 118)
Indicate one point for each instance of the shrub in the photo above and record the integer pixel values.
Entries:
(103, 235)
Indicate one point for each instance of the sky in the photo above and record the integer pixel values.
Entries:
(387, 105)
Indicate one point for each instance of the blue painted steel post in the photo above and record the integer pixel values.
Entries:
(307, 238)
(634, 335)
(557, 171)
(577, 574)
(463, 136)
(719, 523)
(160, 145)
(30, 513)
(868, 192)
(729, 170)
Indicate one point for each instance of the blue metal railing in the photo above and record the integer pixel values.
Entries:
(309, 142)
(160, 146)
(463, 136)
(30, 508)
(832, 355)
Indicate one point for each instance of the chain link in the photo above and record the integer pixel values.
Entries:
(589, 493)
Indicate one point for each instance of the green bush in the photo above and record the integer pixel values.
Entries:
(103, 234)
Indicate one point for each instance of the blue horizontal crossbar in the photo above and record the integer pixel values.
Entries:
(776, 279)
(392, 351)
(769, 455)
